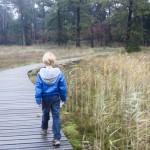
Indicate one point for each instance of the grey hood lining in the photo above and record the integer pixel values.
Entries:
(49, 75)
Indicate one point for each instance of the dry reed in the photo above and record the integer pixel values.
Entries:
(110, 97)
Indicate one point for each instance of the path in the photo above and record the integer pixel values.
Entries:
(19, 125)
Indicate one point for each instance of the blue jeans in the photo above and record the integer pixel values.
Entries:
(51, 103)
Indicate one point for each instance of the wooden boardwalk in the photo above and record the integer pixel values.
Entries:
(19, 125)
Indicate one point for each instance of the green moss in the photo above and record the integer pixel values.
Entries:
(70, 129)
(32, 75)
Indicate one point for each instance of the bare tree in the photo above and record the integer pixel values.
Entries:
(33, 22)
(78, 28)
(4, 21)
(22, 17)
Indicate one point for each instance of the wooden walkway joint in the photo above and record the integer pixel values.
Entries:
(19, 124)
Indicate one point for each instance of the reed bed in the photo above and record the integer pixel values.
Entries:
(109, 99)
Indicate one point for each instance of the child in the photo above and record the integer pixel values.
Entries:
(50, 90)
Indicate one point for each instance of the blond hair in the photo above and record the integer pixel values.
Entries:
(49, 59)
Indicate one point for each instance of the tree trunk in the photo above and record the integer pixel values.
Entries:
(142, 29)
(3, 29)
(43, 23)
(21, 8)
(78, 29)
(109, 27)
(92, 38)
(132, 40)
(59, 26)
(4, 23)
(129, 23)
(33, 24)
(23, 31)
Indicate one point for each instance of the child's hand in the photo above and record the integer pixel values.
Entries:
(40, 105)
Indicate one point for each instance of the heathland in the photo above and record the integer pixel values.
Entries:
(108, 104)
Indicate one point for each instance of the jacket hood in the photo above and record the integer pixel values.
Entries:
(49, 75)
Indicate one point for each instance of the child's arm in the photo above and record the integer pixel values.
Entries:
(62, 88)
(38, 90)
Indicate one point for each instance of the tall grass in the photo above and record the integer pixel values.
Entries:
(109, 98)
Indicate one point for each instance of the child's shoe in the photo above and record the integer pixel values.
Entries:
(56, 142)
(44, 132)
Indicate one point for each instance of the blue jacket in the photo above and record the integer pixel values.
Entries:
(50, 81)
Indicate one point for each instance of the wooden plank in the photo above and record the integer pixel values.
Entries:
(27, 133)
(27, 141)
(27, 137)
(14, 112)
(38, 146)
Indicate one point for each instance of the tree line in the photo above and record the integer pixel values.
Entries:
(90, 22)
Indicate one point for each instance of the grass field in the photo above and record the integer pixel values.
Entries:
(13, 56)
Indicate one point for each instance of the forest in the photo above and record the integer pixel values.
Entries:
(77, 22)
